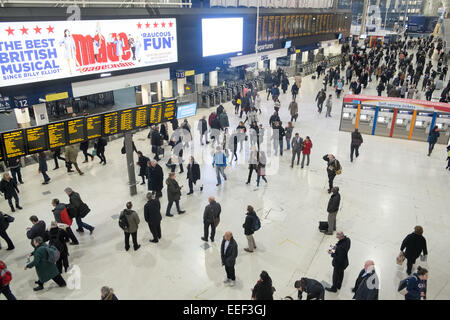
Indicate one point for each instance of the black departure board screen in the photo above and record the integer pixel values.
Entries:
(14, 143)
(169, 110)
(75, 130)
(141, 117)
(110, 123)
(57, 135)
(36, 139)
(93, 127)
(155, 113)
(126, 120)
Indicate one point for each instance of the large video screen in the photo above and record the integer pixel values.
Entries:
(222, 35)
(47, 50)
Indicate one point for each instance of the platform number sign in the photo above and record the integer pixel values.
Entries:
(21, 102)
(5, 104)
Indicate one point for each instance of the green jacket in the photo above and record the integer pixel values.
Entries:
(133, 220)
(44, 269)
(173, 190)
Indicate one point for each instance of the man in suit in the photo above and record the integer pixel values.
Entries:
(297, 146)
(152, 215)
(229, 252)
(339, 253)
(211, 215)
(367, 283)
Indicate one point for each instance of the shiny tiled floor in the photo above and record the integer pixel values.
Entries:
(389, 189)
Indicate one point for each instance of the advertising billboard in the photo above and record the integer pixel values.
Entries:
(48, 50)
(222, 35)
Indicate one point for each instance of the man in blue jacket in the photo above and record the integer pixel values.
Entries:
(220, 161)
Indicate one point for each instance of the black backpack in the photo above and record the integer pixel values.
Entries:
(123, 221)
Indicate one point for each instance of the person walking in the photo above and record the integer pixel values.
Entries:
(367, 284)
(80, 210)
(263, 290)
(223, 120)
(4, 224)
(416, 287)
(357, 140)
(58, 238)
(173, 194)
(332, 209)
(306, 150)
(71, 153)
(251, 219)
(5, 280)
(84, 146)
(142, 163)
(37, 230)
(9, 189)
(155, 176)
(261, 167)
(152, 215)
(56, 156)
(293, 109)
(433, 137)
(45, 268)
(414, 244)
(132, 226)
(329, 105)
(61, 215)
(339, 253)
(228, 254)
(320, 98)
(211, 218)
(107, 293)
(297, 146)
(313, 288)
(220, 162)
(14, 166)
(253, 163)
(193, 175)
(288, 134)
(43, 167)
(202, 128)
(294, 90)
(333, 166)
(99, 147)
(278, 136)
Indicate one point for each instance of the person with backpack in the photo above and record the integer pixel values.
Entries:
(416, 285)
(58, 238)
(80, 210)
(5, 220)
(9, 189)
(129, 222)
(251, 225)
(62, 215)
(5, 280)
(211, 217)
(263, 290)
(357, 140)
(306, 151)
(99, 147)
(152, 215)
(414, 244)
(333, 168)
(44, 261)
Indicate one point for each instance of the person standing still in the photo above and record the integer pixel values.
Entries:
(228, 254)
(14, 166)
(333, 165)
(173, 194)
(249, 230)
(133, 224)
(211, 217)
(9, 189)
(152, 215)
(357, 140)
(332, 209)
(339, 253)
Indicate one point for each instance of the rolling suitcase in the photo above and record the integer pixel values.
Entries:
(323, 226)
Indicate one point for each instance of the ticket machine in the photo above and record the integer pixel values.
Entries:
(366, 119)
(384, 122)
(402, 124)
(443, 123)
(348, 117)
(422, 125)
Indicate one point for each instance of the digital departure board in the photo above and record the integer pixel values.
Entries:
(75, 130)
(56, 135)
(110, 123)
(169, 110)
(141, 117)
(126, 120)
(155, 113)
(36, 139)
(14, 143)
(93, 127)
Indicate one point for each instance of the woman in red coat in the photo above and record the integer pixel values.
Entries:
(307, 145)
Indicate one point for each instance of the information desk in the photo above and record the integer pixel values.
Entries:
(36, 139)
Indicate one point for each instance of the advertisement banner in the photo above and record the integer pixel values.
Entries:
(42, 51)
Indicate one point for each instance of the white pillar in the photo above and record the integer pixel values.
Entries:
(22, 117)
(40, 114)
(145, 93)
(199, 82)
(167, 91)
(273, 64)
(213, 79)
(293, 58)
(158, 87)
(180, 86)
(260, 64)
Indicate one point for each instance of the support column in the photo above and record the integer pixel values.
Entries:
(213, 79)
(128, 139)
(364, 17)
(273, 64)
(260, 65)
(167, 91)
(145, 93)
(158, 88)
(22, 117)
(199, 82)
(180, 86)
(40, 114)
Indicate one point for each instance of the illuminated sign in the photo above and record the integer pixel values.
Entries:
(36, 139)
(93, 127)
(14, 143)
(75, 130)
(110, 123)
(56, 135)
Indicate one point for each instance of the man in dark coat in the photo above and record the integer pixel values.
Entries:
(155, 140)
(228, 254)
(313, 288)
(202, 128)
(415, 244)
(37, 230)
(57, 211)
(332, 209)
(142, 163)
(155, 178)
(211, 217)
(43, 167)
(9, 189)
(339, 253)
(99, 146)
(357, 140)
(80, 210)
(434, 135)
(173, 194)
(193, 174)
(152, 215)
(367, 283)
(333, 165)
(4, 224)
(14, 165)
(320, 98)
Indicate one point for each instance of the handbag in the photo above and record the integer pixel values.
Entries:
(123, 151)
(216, 221)
(83, 210)
(400, 258)
(423, 258)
